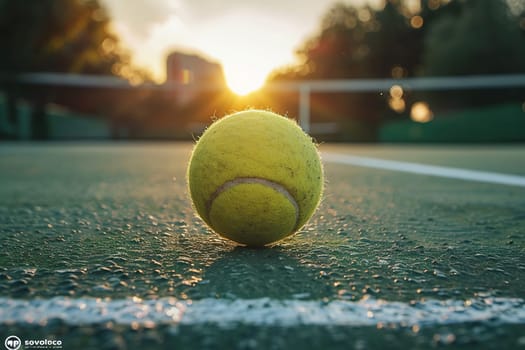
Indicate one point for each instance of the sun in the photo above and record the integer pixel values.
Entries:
(243, 80)
(246, 49)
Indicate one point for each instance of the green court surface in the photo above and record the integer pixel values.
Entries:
(391, 259)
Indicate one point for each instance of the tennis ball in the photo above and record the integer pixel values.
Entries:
(255, 177)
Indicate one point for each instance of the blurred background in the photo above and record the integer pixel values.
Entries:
(348, 71)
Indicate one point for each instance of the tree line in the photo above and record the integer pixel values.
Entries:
(438, 38)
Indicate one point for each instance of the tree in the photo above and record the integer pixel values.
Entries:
(357, 42)
(67, 36)
(441, 37)
(57, 36)
(481, 37)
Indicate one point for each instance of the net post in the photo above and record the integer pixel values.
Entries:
(304, 107)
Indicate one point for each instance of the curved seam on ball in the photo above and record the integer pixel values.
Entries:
(254, 180)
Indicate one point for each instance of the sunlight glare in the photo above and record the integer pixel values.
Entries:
(245, 47)
(243, 81)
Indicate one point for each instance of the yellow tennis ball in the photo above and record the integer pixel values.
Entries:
(255, 177)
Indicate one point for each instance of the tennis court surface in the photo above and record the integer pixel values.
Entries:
(412, 247)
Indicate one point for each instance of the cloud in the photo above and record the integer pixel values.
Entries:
(139, 16)
(203, 10)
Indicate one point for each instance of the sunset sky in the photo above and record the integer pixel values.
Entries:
(249, 38)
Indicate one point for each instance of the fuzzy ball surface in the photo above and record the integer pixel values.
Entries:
(255, 177)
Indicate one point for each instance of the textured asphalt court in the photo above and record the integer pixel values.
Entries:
(101, 249)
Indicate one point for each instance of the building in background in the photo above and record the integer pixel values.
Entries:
(194, 74)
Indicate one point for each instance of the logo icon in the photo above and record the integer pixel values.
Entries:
(12, 342)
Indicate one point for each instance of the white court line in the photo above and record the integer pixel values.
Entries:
(262, 312)
(433, 170)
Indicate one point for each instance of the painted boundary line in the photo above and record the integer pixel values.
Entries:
(262, 312)
(422, 169)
